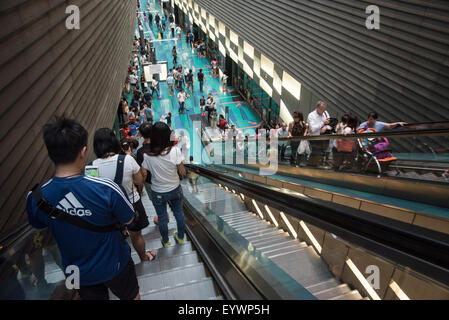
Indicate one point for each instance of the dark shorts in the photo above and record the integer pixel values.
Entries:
(124, 286)
(141, 220)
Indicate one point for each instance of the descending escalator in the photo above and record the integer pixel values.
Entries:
(297, 259)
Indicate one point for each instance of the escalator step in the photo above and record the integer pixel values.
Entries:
(352, 295)
(167, 263)
(280, 243)
(201, 290)
(171, 278)
(323, 285)
(260, 235)
(332, 292)
(248, 229)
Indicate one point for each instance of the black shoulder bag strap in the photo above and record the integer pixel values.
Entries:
(60, 215)
(119, 172)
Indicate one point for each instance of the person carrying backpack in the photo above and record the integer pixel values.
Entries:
(123, 170)
(86, 216)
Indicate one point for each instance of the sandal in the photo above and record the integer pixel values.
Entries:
(152, 254)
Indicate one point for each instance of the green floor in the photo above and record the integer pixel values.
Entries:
(240, 113)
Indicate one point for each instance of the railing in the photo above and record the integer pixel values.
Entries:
(422, 250)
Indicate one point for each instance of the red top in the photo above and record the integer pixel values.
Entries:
(222, 124)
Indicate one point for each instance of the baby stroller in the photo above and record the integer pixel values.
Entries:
(374, 154)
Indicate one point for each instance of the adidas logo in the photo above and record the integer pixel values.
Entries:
(73, 207)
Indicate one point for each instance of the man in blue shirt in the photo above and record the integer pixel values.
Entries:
(378, 125)
(103, 259)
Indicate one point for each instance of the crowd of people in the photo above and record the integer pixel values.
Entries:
(319, 122)
(109, 198)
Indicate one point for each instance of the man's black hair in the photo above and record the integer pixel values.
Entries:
(372, 115)
(145, 130)
(134, 143)
(105, 142)
(64, 139)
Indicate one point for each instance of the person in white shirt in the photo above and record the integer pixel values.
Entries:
(178, 32)
(133, 79)
(318, 121)
(210, 106)
(165, 162)
(283, 132)
(107, 149)
(182, 100)
(172, 27)
(184, 145)
(225, 81)
(155, 87)
(170, 83)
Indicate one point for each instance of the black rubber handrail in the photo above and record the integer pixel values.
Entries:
(423, 250)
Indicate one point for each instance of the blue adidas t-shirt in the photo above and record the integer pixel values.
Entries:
(99, 256)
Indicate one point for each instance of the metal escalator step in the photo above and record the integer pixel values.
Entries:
(242, 221)
(167, 252)
(235, 214)
(270, 239)
(288, 251)
(305, 266)
(256, 227)
(320, 286)
(201, 290)
(167, 263)
(179, 260)
(171, 278)
(352, 295)
(155, 244)
(281, 243)
(282, 249)
(257, 234)
(332, 292)
(155, 234)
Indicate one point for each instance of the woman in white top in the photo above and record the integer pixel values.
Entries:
(165, 161)
(155, 87)
(107, 149)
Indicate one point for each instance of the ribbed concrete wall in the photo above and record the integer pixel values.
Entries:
(401, 70)
(47, 70)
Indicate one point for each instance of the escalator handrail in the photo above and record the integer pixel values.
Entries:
(423, 250)
(382, 134)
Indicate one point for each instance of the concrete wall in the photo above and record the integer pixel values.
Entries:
(48, 70)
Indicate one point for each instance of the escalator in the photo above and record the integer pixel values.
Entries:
(251, 241)
(298, 260)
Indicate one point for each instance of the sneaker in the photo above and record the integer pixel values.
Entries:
(167, 244)
(178, 241)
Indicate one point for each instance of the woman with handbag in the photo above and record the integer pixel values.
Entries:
(125, 172)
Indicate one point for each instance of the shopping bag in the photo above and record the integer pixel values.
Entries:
(304, 147)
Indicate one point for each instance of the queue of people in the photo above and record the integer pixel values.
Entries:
(96, 211)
